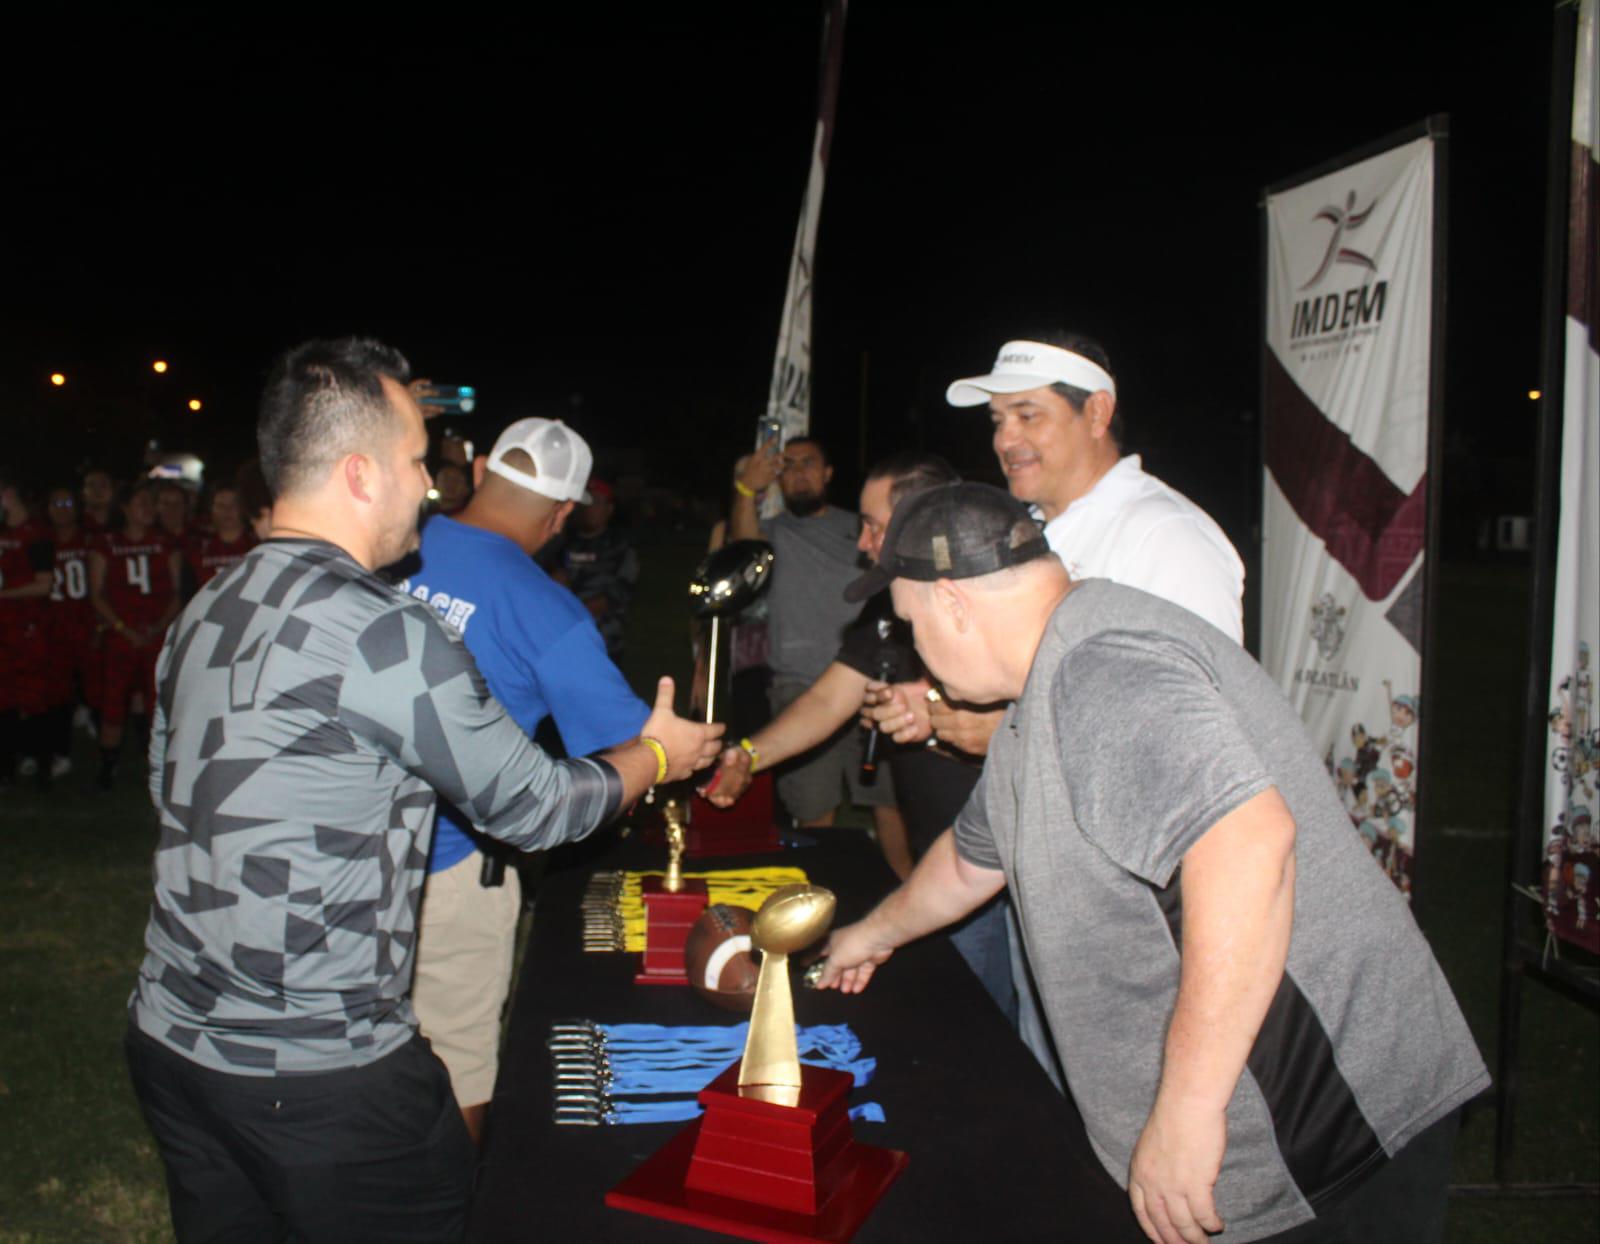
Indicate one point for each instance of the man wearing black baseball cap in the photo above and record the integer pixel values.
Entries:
(1246, 1014)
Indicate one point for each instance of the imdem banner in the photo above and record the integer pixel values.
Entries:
(1347, 393)
(1571, 886)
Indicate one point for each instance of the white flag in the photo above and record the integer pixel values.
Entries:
(789, 399)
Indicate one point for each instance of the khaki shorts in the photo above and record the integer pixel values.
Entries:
(465, 940)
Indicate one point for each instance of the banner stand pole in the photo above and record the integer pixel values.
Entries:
(1523, 955)
(1438, 128)
(1256, 619)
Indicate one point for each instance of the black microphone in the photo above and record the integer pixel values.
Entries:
(886, 664)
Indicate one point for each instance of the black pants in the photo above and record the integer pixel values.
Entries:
(376, 1153)
(1402, 1203)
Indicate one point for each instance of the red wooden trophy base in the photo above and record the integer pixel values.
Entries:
(747, 828)
(780, 1174)
(668, 917)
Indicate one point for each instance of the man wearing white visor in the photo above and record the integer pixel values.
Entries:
(1057, 433)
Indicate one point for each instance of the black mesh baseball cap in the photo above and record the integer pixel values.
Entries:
(957, 531)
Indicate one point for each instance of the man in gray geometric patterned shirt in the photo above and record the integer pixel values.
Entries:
(308, 719)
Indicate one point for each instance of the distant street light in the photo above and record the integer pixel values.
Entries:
(194, 403)
(159, 366)
(1534, 395)
(57, 379)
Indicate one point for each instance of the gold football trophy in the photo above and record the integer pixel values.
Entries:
(773, 1157)
(792, 917)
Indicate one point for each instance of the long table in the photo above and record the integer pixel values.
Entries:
(995, 1151)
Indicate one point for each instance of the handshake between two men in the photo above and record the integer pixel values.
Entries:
(906, 713)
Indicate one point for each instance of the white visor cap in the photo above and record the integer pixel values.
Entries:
(561, 459)
(1024, 365)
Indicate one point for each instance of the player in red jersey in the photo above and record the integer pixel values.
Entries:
(172, 517)
(172, 510)
(133, 585)
(227, 542)
(98, 511)
(74, 632)
(26, 564)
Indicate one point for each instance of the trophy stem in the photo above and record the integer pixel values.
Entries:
(771, 1054)
(711, 671)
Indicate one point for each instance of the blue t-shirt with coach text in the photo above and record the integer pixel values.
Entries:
(535, 644)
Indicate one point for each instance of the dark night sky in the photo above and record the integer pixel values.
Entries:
(592, 216)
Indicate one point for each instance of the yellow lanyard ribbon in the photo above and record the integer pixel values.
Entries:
(737, 887)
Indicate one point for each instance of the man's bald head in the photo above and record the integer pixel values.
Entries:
(501, 504)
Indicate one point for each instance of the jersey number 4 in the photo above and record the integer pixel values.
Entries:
(139, 572)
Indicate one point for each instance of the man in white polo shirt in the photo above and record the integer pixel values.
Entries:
(1058, 433)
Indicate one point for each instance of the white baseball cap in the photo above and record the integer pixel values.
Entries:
(1024, 365)
(561, 459)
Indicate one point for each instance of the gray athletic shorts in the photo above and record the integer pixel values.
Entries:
(816, 782)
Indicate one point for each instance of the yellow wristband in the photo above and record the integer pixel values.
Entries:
(743, 489)
(755, 756)
(661, 757)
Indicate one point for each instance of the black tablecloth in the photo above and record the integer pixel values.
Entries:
(995, 1151)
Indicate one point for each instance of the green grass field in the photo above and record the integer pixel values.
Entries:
(76, 1163)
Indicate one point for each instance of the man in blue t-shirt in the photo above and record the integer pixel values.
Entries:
(542, 656)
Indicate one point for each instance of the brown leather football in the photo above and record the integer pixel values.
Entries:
(717, 957)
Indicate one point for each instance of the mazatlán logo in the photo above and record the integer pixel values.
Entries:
(1352, 308)
(1327, 630)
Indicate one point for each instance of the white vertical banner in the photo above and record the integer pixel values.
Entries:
(1571, 861)
(1348, 387)
(789, 398)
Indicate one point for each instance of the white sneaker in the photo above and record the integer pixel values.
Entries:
(60, 766)
(27, 767)
(83, 719)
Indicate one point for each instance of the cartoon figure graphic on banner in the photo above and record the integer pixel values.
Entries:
(1573, 721)
(1397, 860)
(1570, 854)
(1344, 778)
(1361, 804)
(1555, 857)
(1570, 862)
(1378, 783)
(1367, 752)
(1401, 746)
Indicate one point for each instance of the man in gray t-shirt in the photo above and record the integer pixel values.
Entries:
(816, 557)
(1253, 1027)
